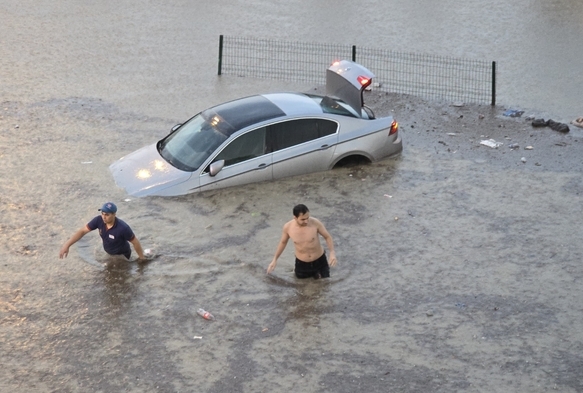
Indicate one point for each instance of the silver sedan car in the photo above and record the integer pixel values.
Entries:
(264, 137)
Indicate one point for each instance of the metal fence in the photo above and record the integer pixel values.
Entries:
(427, 76)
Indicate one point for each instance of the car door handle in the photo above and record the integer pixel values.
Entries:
(263, 165)
(324, 147)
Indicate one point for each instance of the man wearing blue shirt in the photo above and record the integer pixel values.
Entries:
(115, 234)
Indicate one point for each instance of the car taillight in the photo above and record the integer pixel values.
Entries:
(394, 127)
(363, 80)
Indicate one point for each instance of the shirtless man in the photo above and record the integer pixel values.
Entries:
(310, 256)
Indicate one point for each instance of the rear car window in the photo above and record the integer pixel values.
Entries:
(294, 132)
(334, 106)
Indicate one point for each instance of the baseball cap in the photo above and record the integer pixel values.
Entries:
(108, 207)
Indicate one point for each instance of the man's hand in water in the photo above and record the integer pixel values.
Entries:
(333, 259)
(146, 256)
(271, 266)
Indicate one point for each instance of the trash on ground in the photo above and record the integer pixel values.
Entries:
(513, 146)
(513, 113)
(555, 125)
(197, 337)
(523, 159)
(205, 314)
(491, 143)
(539, 123)
(451, 134)
(458, 104)
(528, 147)
(578, 122)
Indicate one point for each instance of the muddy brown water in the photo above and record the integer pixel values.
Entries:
(459, 265)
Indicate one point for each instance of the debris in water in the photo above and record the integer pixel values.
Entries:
(513, 113)
(491, 143)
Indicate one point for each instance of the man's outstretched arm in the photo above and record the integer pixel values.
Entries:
(72, 240)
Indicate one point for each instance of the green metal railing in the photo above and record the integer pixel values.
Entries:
(427, 76)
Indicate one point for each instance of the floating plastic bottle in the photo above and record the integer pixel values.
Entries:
(205, 314)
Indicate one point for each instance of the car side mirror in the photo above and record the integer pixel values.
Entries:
(216, 167)
(177, 126)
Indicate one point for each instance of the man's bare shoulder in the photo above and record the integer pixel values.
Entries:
(315, 222)
(288, 225)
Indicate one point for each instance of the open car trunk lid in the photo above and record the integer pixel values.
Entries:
(346, 80)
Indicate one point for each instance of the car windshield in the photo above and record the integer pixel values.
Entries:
(188, 147)
(191, 144)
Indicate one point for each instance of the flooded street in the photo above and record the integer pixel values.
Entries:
(459, 266)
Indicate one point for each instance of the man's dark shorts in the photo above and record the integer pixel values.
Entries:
(317, 269)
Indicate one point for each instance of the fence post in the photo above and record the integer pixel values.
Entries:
(354, 53)
(493, 83)
(220, 53)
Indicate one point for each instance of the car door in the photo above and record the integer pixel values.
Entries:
(302, 146)
(246, 161)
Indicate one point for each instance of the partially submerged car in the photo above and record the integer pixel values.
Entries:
(264, 137)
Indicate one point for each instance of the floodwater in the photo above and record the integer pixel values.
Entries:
(459, 265)
(536, 44)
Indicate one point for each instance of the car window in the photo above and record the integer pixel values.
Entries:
(334, 106)
(191, 144)
(294, 132)
(247, 146)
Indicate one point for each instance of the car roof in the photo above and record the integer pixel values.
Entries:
(238, 114)
(295, 104)
(345, 82)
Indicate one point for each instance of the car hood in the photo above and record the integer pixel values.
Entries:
(144, 172)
